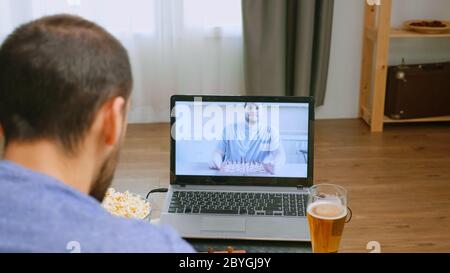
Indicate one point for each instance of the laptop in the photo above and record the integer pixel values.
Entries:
(240, 167)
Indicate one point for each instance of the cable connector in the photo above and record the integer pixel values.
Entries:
(156, 190)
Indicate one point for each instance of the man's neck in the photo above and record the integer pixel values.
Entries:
(48, 158)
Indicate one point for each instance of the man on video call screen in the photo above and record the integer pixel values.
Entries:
(241, 139)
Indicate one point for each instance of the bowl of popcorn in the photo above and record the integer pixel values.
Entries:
(126, 204)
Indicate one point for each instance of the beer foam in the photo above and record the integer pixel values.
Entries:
(326, 209)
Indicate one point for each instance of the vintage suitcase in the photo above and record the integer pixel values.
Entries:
(418, 91)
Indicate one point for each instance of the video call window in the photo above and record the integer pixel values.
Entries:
(241, 139)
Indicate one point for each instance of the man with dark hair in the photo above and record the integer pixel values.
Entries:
(250, 142)
(65, 85)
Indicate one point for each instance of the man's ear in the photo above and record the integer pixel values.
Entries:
(112, 116)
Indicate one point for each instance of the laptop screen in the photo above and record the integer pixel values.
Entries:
(241, 139)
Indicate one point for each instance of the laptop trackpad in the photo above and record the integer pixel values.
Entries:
(223, 224)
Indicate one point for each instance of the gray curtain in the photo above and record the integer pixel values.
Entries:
(287, 47)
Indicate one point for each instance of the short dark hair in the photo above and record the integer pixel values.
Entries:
(55, 74)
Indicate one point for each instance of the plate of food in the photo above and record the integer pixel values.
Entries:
(127, 205)
(428, 26)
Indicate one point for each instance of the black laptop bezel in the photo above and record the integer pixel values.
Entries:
(244, 180)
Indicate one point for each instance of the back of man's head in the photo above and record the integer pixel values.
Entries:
(55, 73)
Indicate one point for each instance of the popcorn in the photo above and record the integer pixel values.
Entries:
(126, 204)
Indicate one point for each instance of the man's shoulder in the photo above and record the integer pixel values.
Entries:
(230, 130)
(128, 235)
(99, 231)
(92, 230)
(40, 214)
(232, 127)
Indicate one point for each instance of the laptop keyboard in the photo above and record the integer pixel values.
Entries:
(238, 203)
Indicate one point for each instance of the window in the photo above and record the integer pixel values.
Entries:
(168, 41)
(118, 16)
(223, 15)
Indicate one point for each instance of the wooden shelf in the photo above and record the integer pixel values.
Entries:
(433, 119)
(378, 34)
(403, 33)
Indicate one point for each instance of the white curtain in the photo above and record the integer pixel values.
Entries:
(175, 46)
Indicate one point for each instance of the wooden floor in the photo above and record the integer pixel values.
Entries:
(398, 181)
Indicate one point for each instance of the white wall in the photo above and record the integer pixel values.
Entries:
(345, 61)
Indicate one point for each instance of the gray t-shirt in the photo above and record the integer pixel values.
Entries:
(41, 214)
(244, 143)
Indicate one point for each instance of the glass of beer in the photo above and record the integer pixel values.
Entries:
(327, 213)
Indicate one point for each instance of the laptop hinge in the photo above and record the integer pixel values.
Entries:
(182, 185)
(302, 188)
